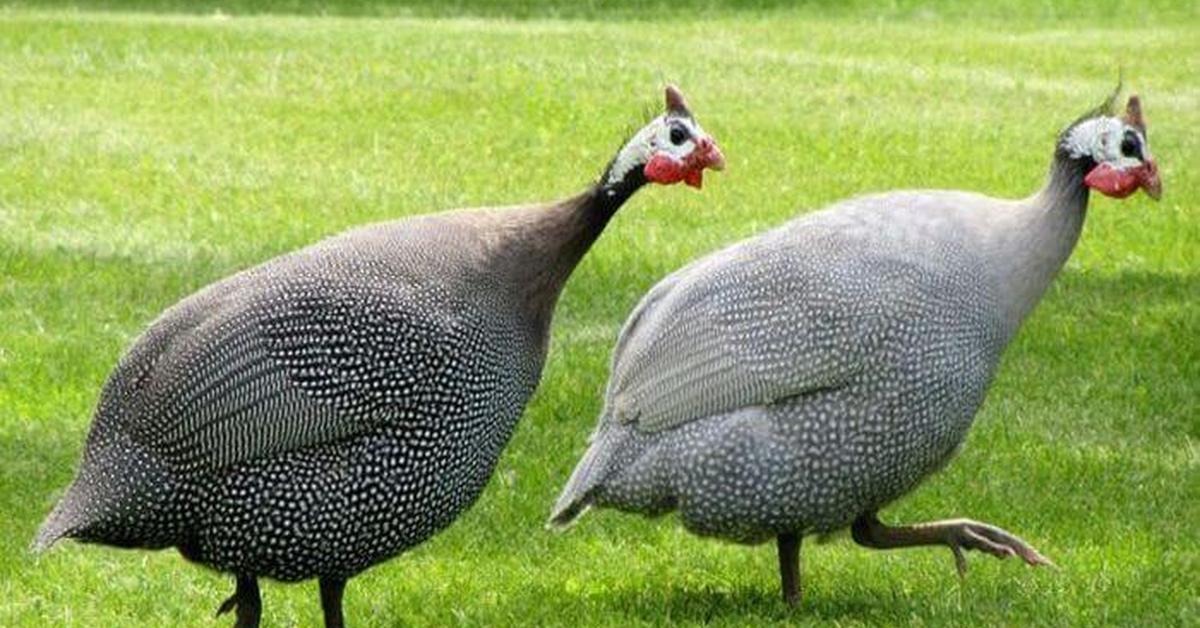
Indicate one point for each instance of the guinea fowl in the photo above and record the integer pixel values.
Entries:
(330, 408)
(799, 381)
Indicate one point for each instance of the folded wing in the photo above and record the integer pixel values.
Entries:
(235, 374)
(755, 323)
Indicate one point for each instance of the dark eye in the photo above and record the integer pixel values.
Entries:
(678, 135)
(1130, 146)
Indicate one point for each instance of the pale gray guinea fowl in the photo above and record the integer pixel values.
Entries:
(797, 382)
(328, 409)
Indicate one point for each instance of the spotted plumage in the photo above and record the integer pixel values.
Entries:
(326, 410)
(797, 382)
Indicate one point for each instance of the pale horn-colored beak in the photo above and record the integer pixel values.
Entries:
(1149, 179)
(711, 157)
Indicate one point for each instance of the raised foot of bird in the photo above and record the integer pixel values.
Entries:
(229, 604)
(246, 602)
(957, 534)
(984, 537)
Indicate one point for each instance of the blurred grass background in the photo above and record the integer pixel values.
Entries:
(1093, 11)
(150, 148)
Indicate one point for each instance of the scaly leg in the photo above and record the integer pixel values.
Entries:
(331, 601)
(956, 534)
(247, 601)
(789, 567)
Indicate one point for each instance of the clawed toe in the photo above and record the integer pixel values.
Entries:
(245, 601)
(229, 604)
(957, 534)
(976, 540)
(992, 540)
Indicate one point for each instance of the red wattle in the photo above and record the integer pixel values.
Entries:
(663, 169)
(1112, 182)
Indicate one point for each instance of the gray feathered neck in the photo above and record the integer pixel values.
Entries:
(1036, 237)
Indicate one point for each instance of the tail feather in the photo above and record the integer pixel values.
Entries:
(117, 499)
(66, 519)
(576, 496)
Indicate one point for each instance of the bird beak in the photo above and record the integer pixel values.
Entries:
(1147, 176)
(706, 155)
(710, 155)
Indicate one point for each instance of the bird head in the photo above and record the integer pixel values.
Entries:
(670, 149)
(1119, 149)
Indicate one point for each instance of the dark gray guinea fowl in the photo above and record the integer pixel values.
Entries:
(330, 408)
(797, 382)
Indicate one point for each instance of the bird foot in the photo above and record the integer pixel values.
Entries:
(246, 601)
(229, 604)
(966, 534)
(957, 534)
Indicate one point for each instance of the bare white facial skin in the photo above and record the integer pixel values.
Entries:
(1101, 139)
(656, 138)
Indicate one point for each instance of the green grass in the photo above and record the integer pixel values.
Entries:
(144, 155)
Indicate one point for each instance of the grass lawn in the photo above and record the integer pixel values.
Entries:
(144, 154)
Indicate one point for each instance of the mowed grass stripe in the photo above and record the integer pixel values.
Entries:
(160, 147)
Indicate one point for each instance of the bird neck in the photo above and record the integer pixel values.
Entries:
(1041, 234)
(561, 234)
(1064, 188)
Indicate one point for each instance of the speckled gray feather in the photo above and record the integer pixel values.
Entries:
(793, 381)
(355, 393)
(332, 407)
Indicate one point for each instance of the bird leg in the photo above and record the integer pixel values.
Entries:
(331, 601)
(789, 566)
(247, 602)
(957, 534)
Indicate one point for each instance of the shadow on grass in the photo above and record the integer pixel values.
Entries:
(1128, 291)
(762, 601)
(1143, 321)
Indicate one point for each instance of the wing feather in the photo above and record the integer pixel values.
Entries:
(755, 323)
(267, 369)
